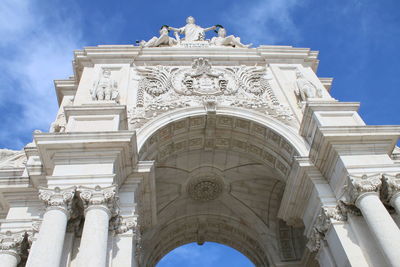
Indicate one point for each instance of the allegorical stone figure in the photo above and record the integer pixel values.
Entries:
(305, 89)
(162, 40)
(191, 31)
(224, 40)
(105, 88)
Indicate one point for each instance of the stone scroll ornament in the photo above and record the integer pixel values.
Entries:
(163, 88)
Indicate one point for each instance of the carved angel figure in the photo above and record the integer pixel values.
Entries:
(223, 40)
(163, 40)
(105, 88)
(305, 89)
(191, 31)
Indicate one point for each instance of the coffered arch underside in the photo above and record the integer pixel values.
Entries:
(238, 167)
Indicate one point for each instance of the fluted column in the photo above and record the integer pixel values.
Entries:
(364, 192)
(46, 251)
(391, 190)
(10, 248)
(99, 204)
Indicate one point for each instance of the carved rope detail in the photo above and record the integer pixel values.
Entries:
(98, 196)
(358, 185)
(390, 186)
(57, 198)
(326, 217)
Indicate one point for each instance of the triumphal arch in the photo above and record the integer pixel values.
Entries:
(183, 139)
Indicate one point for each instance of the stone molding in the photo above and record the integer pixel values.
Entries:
(360, 185)
(326, 217)
(99, 197)
(390, 187)
(58, 198)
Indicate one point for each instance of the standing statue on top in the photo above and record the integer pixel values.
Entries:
(191, 31)
(163, 40)
(223, 40)
(105, 88)
(305, 89)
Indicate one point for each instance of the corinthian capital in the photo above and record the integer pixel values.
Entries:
(57, 198)
(98, 196)
(390, 186)
(358, 185)
(11, 242)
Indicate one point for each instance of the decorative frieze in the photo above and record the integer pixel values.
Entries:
(58, 198)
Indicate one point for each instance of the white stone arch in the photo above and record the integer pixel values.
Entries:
(289, 133)
(173, 208)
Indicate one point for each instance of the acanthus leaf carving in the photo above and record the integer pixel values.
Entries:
(324, 220)
(390, 187)
(10, 240)
(58, 198)
(358, 185)
(99, 196)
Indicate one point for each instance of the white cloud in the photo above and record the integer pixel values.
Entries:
(263, 22)
(37, 49)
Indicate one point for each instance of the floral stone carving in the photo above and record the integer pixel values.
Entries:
(205, 188)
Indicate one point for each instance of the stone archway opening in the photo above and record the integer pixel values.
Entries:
(208, 254)
(220, 179)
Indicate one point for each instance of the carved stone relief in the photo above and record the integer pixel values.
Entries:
(163, 88)
(12, 159)
(105, 88)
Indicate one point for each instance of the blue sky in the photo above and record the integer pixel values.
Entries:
(358, 41)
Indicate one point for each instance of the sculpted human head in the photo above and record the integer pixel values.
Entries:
(164, 30)
(222, 32)
(190, 20)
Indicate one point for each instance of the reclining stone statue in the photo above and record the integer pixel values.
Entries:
(162, 40)
(223, 40)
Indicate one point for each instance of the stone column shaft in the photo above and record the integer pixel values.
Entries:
(46, 251)
(365, 192)
(99, 204)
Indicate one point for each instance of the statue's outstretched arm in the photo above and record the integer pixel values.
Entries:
(174, 29)
(210, 28)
